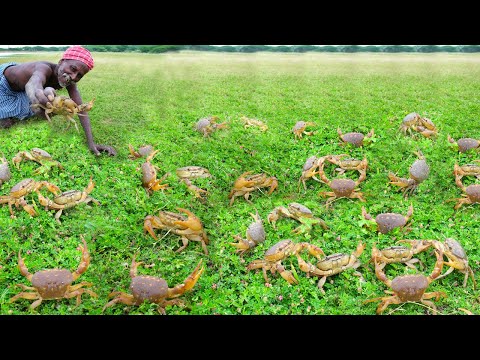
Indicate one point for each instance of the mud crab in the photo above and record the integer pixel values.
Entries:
(386, 222)
(189, 228)
(309, 170)
(465, 144)
(143, 151)
(346, 164)
(465, 170)
(343, 188)
(297, 212)
(63, 105)
(471, 193)
(409, 288)
(187, 173)
(208, 125)
(247, 183)
(280, 251)
(68, 199)
(149, 175)
(357, 139)
(22, 189)
(414, 122)
(419, 171)
(38, 155)
(400, 254)
(247, 122)
(154, 289)
(54, 283)
(332, 265)
(457, 259)
(299, 129)
(5, 173)
(255, 235)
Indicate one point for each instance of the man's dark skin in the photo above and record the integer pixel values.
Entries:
(40, 79)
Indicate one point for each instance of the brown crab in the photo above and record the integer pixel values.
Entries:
(457, 259)
(357, 139)
(68, 199)
(299, 129)
(187, 173)
(465, 170)
(143, 151)
(255, 235)
(346, 164)
(248, 122)
(409, 288)
(465, 144)
(5, 173)
(309, 170)
(332, 265)
(247, 183)
(38, 155)
(208, 125)
(280, 251)
(386, 222)
(414, 122)
(400, 254)
(54, 283)
(63, 105)
(149, 175)
(297, 212)
(471, 193)
(419, 171)
(189, 228)
(154, 289)
(22, 189)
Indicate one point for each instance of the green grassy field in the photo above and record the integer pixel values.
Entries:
(157, 99)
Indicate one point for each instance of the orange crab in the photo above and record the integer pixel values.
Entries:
(247, 183)
(299, 129)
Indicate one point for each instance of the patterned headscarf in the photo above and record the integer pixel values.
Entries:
(78, 52)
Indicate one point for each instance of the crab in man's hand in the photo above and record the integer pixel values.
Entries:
(146, 288)
(63, 105)
(247, 183)
(38, 155)
(54, 283)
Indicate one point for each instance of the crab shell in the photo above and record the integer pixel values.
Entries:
(278, 251)
(145, 150)
(256, 232)
(473, 193)
(148, 288)
(342, 187)
(465, 144)
(52, 283)
(388, 221)
(410, 287)
(455, 248)
(354, 138)
(411, 119)
(5, 173)
(419, 170)
(334, 263)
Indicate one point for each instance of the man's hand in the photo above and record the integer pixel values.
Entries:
(43, 96)
(96, 148)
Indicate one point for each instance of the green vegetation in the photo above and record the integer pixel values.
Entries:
(158, 98)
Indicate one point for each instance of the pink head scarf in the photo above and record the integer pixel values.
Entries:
(78, 52)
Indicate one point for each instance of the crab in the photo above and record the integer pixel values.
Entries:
(386, 222)
(38, 155)
(149, 175)
(54, 283)
(332, 265)
(346, 164)
(189, 228)
(343, 188)
(145, 288)
(466, 170)
(22, 189)
(419, 171)
(142, 151)
(68, 199)
(309, 170)
(187, 173)
(247, 122)
(297, 212)
(63, 105)
(208, 125)
(400, 254)
(465, 144)
(247, 183)
(409, 288)
(415, 122)
(278, 252)
(255, 235)
(471, 195)
(5, 173)
(457, 259)
(299, 129)
(357, 139)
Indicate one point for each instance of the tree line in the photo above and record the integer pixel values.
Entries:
(155, 49)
